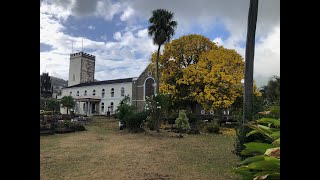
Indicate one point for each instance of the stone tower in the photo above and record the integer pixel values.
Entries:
(81, 70)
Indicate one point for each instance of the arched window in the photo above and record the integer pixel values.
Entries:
(112, 92)
(103, 92)
(102, 107)
(85, 93)
(111, 107)
(77, 93)
(70, 93)
(84, 107)
(149, 87)
(122, 91)
(94, 92)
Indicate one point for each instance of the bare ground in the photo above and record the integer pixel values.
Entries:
(104, 152)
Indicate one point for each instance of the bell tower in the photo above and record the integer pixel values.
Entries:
(81, 69)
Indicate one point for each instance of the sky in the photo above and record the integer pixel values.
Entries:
(116, 33)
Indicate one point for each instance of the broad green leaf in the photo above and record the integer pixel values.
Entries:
(275, 122)
(253, 159)
(252, 132)
(245, 171)
(276, 142)
(276, 134)
(265, 165)
(256, 148)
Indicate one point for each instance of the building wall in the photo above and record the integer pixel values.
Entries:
(138, 89)
(107, 99)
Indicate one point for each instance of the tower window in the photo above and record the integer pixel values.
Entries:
(94, 92)
(77, 93)
(112, 92)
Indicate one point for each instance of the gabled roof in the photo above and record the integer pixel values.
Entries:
(102, 82)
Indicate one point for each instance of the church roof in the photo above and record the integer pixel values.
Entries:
(102, 82)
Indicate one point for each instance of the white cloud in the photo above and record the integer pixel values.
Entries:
(117, 35)
(91, 27)
(117, 59)
(128, 12)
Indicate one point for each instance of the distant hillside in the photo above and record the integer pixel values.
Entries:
(58, 83)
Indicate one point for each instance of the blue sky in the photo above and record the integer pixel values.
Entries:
(116, 32)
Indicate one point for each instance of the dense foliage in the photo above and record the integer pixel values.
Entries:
(264, 160)
(68, 102)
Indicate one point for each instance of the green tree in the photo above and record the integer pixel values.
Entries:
(53, 105)
(68, 102)
(271, 92)
(249, 61)
(42, 103)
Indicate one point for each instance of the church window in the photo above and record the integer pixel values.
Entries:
(102, 107)
(112, 92)
(77, 93)
(103, 92)
(122, 91)
(85, 93)
(94, 92)
(111, 107)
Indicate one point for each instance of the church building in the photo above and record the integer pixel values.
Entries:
(97, 97)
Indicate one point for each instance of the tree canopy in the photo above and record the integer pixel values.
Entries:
(68, 102)
(194, 69)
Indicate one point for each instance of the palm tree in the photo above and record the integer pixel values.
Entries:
(161, 29)
(249, 61)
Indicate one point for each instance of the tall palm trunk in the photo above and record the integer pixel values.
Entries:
(157, 89)
(249, 61)
(157, 69)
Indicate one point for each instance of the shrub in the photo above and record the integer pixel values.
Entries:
(182, 122)
(66, 117)
(150, 123)
(76, 126)
(124, 109)
(211, 127)
(134, 120)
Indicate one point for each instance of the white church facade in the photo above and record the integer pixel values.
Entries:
(97, 97)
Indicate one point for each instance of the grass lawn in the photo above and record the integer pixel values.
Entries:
(104, 152)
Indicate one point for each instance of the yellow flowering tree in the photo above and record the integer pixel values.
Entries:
(196, 70)
(215, 81)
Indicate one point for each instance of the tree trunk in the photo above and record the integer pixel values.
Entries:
(157, 69)
(249, 61)
(157, 90)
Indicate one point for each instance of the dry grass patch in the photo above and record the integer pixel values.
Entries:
(104, 152)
